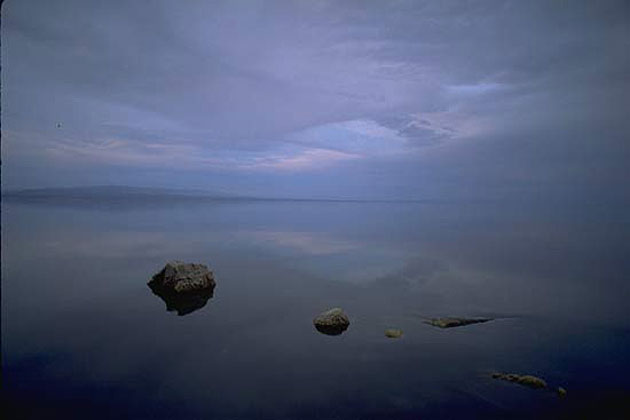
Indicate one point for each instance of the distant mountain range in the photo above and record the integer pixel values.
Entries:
(108, 194)
(111, 191)
(115, 197)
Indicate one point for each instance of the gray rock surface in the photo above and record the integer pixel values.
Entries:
(526, 380)
(332, 322)
(181, 277)
(455, 322)
(393, 333)
(184, 287)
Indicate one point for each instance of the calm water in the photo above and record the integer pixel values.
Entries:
(83, 336)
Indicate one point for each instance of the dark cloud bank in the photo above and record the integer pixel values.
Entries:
(402, 99)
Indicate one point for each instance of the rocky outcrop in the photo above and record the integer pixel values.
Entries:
(525, 380)
(455, 322)
(184, 287)
(332, 322)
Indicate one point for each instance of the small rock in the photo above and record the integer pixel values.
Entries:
(393, 333)
(332, 322)
(455, 322)
(525, 380)
(561, 392)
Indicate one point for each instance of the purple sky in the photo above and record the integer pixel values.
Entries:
(366, 99)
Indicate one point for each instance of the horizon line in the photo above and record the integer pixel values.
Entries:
(195, 193)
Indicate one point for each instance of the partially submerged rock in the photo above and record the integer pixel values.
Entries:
(180, 277)
(393, 333)
(455, 322)
(184, 287)
(331, 322)
(525, 380)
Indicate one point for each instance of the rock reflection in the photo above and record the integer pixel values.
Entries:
(183, 303)
(330, 330)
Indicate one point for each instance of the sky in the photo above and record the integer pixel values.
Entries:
(353, 99)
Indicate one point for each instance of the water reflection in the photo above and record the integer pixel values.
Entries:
(386, 265)
(183, 303)
(331, 329)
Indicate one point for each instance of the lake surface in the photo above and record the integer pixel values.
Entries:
(83, 336)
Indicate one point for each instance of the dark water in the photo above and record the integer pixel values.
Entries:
(83, 336)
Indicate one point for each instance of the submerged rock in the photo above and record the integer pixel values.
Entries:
(332, 322)
(184, 287)
(455, 322)
(561, 392)
(525, 380)
(393, 333)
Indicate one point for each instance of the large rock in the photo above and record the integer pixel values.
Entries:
(184, 287)
(332, 322)
(181, 277)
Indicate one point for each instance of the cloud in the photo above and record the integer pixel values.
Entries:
(357, 137)
(306, 159)
(174, 155)
(369, 90)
